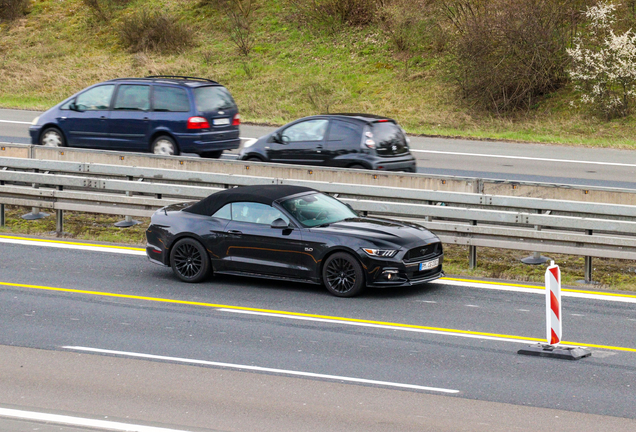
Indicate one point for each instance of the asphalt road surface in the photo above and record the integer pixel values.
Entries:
(99, 334)
(465, 158)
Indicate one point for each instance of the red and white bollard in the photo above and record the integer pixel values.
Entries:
(553, 304)
(553, 322)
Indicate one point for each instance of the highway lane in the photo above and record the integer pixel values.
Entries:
(480, 367)
(459, 157)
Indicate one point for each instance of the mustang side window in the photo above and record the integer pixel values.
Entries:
(224, 212)
(256, 213)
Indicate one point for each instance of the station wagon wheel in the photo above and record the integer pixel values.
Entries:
(342, 275)
(164, 145)
(52, 137)
(189, 260)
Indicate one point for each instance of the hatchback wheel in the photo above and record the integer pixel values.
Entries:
(212, 154)
(342, 275)
(189, 260)
(52, 137)
(164, 145)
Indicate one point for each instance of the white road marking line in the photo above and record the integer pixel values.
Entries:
(14, 121)
(72, 246)
(262, 369)
(381, 326)
(524, 158)
(540, 291)
(496, 287)
(79, 421)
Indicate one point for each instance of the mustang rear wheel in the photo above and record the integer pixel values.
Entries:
(189, 260)
(342, 275)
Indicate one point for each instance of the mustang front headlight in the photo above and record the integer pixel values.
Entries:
(383, 253)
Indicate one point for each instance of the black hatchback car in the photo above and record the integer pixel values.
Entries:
(291, 233)
(360, 141)
(163, 114)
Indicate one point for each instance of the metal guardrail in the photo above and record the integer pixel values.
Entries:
(473, 219)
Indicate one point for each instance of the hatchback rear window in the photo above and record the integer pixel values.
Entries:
(213, 98)
(389, 139)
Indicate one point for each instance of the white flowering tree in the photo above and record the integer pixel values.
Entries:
(604, 66)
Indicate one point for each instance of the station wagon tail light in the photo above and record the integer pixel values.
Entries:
(369, 143)
(236, 121)
(198, 123)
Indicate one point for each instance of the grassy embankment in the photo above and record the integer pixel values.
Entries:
(61, 47)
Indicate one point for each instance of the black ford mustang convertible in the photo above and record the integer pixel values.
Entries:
(291, 233)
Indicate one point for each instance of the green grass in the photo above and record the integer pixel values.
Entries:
(61, 47)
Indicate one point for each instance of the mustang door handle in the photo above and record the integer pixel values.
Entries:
(235, 232)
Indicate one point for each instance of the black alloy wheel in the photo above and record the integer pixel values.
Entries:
(189, 260)
(342, 275)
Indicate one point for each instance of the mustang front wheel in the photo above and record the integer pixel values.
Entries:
(342, 275)
(189, 260)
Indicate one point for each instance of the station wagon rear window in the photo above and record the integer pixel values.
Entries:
(213, 98)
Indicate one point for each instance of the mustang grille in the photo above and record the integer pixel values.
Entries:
(420, 252)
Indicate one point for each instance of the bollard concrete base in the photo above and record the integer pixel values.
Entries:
(34, 216)
(535, 259)
(127, 223)
(560, 352)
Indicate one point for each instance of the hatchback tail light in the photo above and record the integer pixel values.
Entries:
(198, 123)
(236, 120)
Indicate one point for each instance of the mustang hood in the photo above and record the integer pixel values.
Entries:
(382, 231)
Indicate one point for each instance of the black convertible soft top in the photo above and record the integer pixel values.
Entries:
(264, 194)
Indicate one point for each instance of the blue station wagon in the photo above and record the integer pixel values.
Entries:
(164, 114)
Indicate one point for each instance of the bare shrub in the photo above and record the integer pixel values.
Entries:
(13, 9)
(104, 9)
(330, 13)
(155, 31)
(511, 52)
(320, 97)
(240, 21)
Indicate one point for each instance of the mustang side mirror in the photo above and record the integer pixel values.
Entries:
(279, 223)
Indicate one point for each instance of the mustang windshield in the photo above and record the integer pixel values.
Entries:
(317, 209)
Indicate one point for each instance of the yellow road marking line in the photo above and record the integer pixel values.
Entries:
(300, 314)
(71, 243)
(444, 278)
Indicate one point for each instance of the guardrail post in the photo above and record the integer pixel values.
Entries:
(2, 222)
(587, 266)
(59, 219)
(472, 253)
